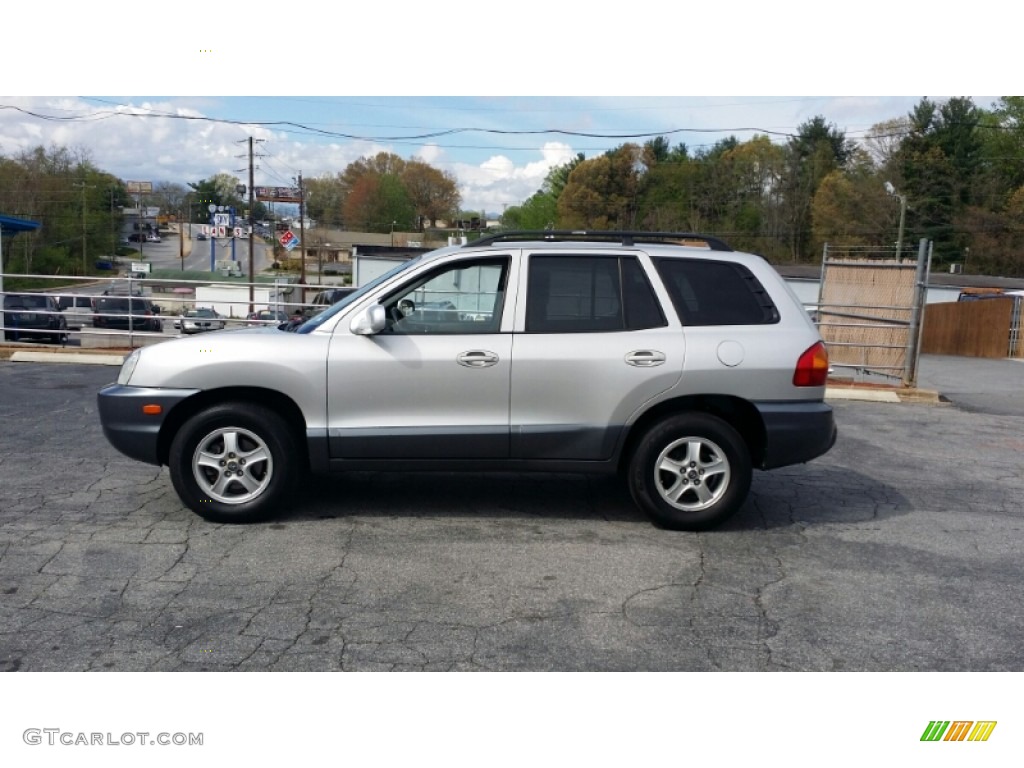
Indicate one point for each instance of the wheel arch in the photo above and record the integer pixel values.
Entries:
(740, 414)
(283, 405)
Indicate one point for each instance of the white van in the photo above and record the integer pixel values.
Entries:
(77, 310)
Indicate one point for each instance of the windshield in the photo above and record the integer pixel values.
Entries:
(319, 319)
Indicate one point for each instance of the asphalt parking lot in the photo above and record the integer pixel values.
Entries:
(901, 549)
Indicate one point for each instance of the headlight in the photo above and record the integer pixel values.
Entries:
(128, 367)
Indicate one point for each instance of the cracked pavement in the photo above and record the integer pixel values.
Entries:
(901, 549)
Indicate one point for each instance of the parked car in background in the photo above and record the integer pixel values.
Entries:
(153, 237)
(668, 359)
(200, 236)
(133, 313)
(979, 295)
(267, 317)
(77, 310)
(198, 320)
(125, 287)
(33, 316)
(324, 299)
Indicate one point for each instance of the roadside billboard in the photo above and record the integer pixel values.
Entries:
(278, 194)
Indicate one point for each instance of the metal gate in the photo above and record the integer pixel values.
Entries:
(870, 308)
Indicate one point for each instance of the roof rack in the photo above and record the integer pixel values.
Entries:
(616, 236)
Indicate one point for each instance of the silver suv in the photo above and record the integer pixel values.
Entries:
(666, 357)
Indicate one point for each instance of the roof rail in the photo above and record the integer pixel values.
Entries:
(623, 237)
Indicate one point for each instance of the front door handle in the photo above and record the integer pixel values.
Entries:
(645, 358)
(477, 358)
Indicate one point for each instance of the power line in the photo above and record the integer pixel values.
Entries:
(434, 134)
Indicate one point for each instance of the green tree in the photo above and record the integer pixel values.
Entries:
(220, 190)
(325, 197)
(540, 211)
(939, 162)
(558, 176)
(434, 194)
(376, 201)
(77, 204)
(851, 208)
(818, 149)
(602, 193)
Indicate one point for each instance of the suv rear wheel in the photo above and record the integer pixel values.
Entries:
(234, 462)
(690, 472)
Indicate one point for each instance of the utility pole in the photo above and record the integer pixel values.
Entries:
(302, 236)
(83, 186)
(251, 218)
(113, 227)
(252, 229)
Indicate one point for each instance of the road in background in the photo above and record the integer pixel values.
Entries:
(167, 253)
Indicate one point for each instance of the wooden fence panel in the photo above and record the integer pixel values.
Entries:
(967, 328)
(865, 313)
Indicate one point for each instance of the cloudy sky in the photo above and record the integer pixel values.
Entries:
(542, 78)
(498, 148)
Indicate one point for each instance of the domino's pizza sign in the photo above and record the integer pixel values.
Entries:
(288, 240)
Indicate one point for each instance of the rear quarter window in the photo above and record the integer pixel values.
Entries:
(706, 292)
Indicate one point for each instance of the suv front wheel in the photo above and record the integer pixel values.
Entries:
(690, 472)
(234, 462)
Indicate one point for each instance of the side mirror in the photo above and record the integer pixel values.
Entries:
(370, 321)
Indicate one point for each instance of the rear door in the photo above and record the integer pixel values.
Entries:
(592, 345)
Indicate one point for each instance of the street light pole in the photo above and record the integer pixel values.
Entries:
(903, 217)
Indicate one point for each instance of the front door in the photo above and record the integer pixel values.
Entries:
(434, 384)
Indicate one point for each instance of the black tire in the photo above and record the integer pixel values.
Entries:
(220, 440)
(704, 474)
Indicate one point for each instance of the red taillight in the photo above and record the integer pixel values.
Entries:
(812, 367)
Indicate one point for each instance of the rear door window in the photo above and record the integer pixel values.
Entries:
(589, 294)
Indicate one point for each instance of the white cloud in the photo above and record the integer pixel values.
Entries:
(498, 182)
(429, 153)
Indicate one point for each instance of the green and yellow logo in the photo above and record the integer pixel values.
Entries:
(958, 730)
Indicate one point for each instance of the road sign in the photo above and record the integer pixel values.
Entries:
(222, 231)
(140, 266)
(222, 219)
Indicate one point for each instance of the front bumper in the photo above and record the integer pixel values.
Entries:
(796, 432)
(132, 432)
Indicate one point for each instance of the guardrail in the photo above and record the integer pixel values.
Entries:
(153, 305)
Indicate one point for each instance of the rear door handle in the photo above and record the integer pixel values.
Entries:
(477, 358)
(645, 358)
